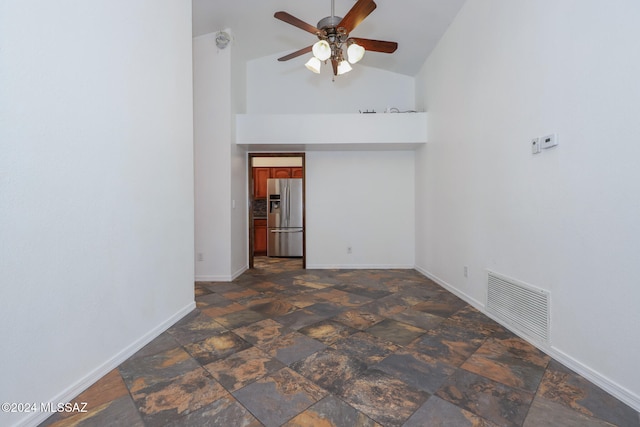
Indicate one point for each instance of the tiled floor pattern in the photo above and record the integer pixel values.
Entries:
(281, 346)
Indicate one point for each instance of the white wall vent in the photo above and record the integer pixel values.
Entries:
(519, 305)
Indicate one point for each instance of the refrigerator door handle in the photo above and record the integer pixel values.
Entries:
(286, 231)
(288, 201)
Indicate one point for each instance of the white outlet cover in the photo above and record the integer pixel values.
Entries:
(535, 145)
(549, 141)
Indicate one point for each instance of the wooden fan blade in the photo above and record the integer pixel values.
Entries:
(296, 53)
(376, 45)
(334, 63)
(290, 19)
(356, 15)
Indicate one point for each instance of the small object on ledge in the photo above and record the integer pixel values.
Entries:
(367, 111)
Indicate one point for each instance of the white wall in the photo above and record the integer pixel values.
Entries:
(289, 88)
(239, 173)
(363, 200)
(239, 213)
(212, 151)
(221, 239)
(96, 188)
(565, 220)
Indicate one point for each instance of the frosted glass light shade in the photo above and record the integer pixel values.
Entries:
(322, 50)
(313, 64)
(355, 52)
(344, 67)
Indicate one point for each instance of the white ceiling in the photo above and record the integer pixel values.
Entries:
(416, 25)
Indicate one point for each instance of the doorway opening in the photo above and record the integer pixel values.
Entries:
(265, 239)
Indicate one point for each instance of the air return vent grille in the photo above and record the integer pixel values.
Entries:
(519, 305)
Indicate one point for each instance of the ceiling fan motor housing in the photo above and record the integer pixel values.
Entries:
(329, 22)
(330, 30)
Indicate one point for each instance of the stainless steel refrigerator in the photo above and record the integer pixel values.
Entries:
(284, 217)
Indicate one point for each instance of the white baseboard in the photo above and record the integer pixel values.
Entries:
(222, 278)
(474, 302)
(611, 387)
(213, 278)
(88, 380)
(241, 270)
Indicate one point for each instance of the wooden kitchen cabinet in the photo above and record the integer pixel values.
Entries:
(286, 172)
(280, 172)
(260, 237)
(260, 176)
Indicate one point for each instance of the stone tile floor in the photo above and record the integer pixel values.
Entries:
(282, 346)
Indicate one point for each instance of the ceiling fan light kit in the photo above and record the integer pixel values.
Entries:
(334, 43)
(355, 52)
(344, 67)
(322, 50)
(314, 65)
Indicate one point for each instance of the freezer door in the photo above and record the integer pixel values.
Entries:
(285, 242)
(275, 193)
(284, 203)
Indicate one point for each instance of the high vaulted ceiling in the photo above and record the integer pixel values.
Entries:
(416, 25)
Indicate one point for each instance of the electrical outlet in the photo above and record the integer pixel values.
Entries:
(348, 249)
(535, 145)
(200, 256)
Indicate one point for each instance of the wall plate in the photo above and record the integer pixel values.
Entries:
(549, 141)
(535, 145)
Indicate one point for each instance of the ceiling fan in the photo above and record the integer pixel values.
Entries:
(334, 43)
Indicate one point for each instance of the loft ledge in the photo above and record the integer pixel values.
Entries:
(386, 131)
